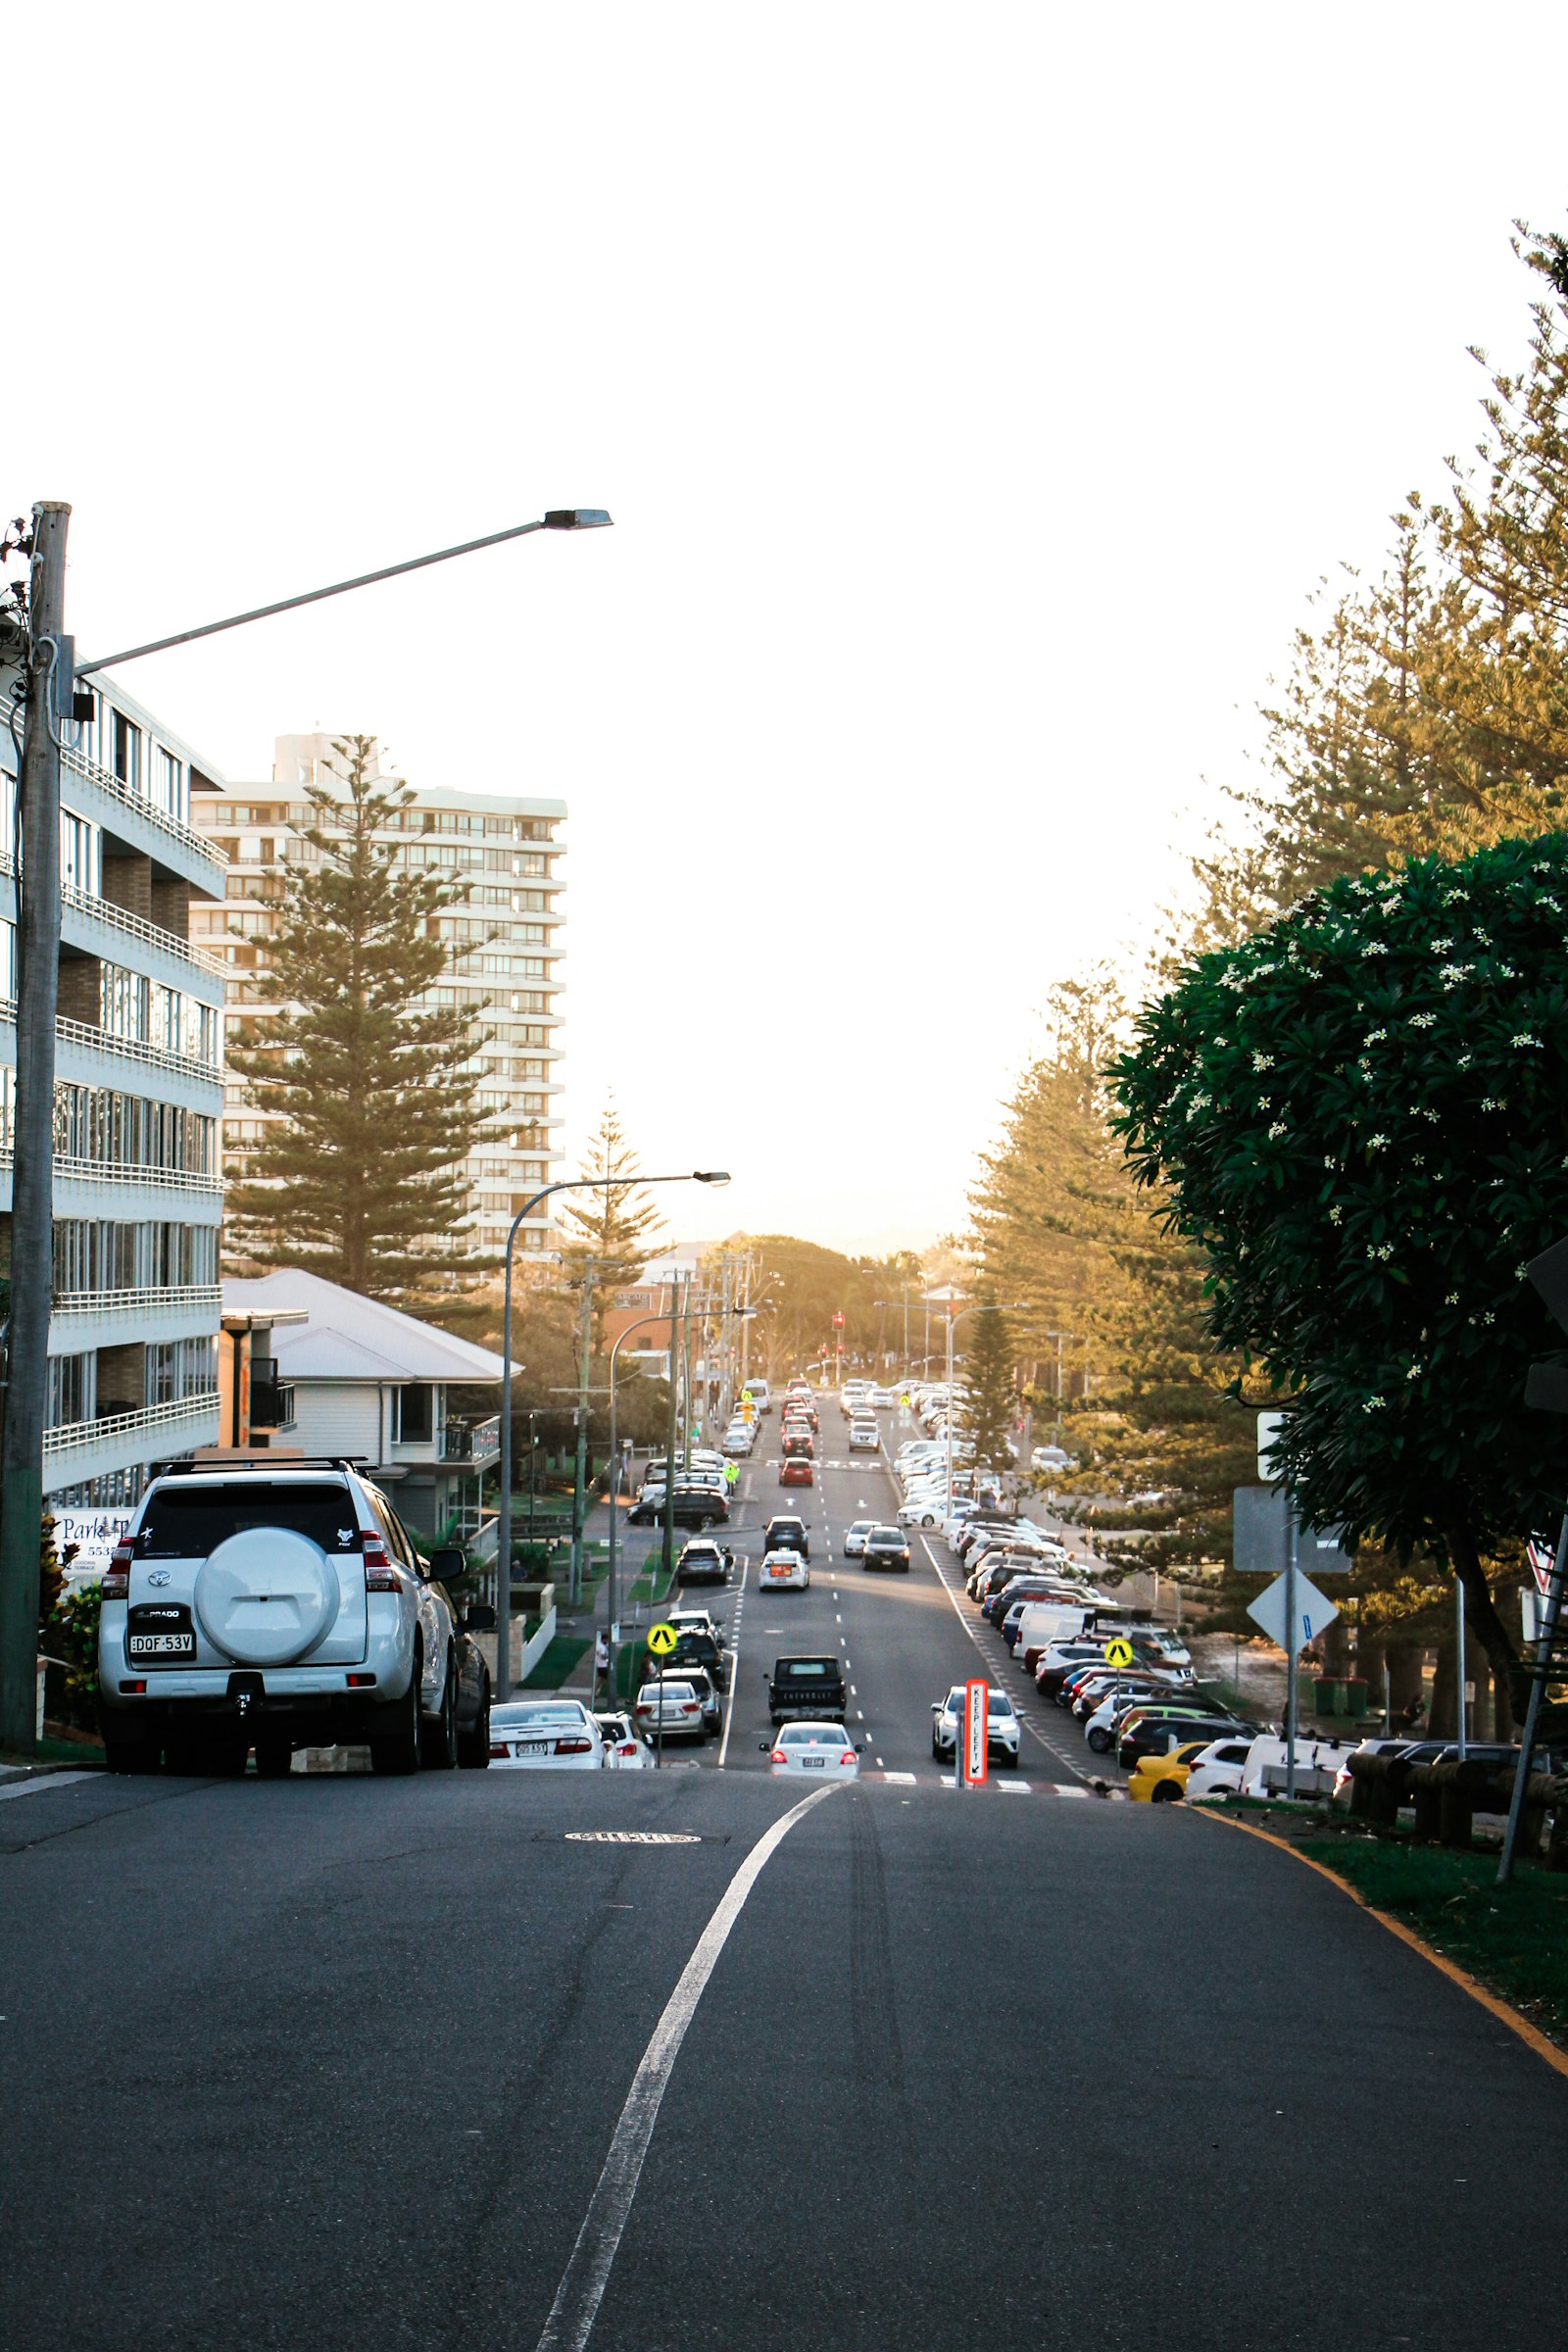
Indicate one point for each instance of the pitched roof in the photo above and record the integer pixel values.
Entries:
(350, 1338)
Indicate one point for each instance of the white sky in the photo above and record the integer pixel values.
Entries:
(978, 391)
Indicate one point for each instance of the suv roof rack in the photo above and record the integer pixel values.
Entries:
(186, 1468)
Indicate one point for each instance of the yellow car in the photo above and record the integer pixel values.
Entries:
(1161, 1780)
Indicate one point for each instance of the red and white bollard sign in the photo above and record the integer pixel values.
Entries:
(975, 1756)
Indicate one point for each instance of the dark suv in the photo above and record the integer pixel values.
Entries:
(785, 1532)
(886, 1548)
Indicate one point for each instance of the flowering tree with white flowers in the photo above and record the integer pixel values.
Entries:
(1361, 1116)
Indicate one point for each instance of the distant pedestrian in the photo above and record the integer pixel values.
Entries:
(601, 1659)
(732, 1471)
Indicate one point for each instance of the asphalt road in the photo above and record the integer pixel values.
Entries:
(907, 1638)
(343, 2062)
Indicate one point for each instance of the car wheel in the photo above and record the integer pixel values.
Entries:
(473, 1744)
(131, 1755)
(396, 1750)
(438, 1740)
(274, 1759)
(1100, 1741)
(1163, 1792)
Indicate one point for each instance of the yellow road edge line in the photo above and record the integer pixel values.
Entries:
(1500, 2009)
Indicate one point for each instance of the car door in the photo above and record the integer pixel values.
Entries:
(430, 1603)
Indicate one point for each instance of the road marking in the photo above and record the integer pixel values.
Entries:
(839, 1615)
(734, 1666)
(905, 1780)
(860, 1714)
(587, 2273)
(630, 1837)
(854, 1693)
(1066, 1788)
(1015, 1787)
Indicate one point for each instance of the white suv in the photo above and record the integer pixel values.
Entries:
(281, 1607)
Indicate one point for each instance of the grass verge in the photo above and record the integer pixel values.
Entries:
(560, 1655)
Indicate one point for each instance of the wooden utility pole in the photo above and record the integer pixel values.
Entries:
(32, 1150)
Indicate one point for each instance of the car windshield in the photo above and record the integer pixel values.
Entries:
(187, 1522)
(547, 1716)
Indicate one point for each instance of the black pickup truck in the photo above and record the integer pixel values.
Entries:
(805, 1690)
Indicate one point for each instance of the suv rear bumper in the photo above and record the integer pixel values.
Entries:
(309, 1719)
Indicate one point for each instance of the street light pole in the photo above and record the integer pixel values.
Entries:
(501, 1686)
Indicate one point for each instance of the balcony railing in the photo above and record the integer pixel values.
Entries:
(126, 794)
(470, 1440)
(168, 1419)
(103, 1041)
(125, 1171)
(165, 1299)
(138, 927)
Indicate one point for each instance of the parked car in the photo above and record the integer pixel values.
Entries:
(696, 1620)
(626, 1749)
(545, 1734)
(284, 1607)
(675, 1706)
(886, 1548)
(697, 1651)
(739, 1438)
(1157, 1733)
(825, 1749)
(1218, 1768)
(695, 1506)
(704, 1561)
(1161, 1780)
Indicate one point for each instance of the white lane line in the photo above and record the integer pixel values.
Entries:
(45, 1779)
(860, 1714)
(587, 2273)
(905, 1780)
(1064, 1788)
(1015, 1787)
(734, 1667)
(854, 1693)
(838, 1618)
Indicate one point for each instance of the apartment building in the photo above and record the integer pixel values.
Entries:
(138, 1103)
(506, 847)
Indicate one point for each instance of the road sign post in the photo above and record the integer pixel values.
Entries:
(975, 1756)
(661, 1640)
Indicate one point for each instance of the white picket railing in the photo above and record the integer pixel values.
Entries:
(130, 798)
(161, 1299)
(138, 927)
(176, 1414)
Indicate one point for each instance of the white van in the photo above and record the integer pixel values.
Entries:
(1046, 1621)
(759, 1394)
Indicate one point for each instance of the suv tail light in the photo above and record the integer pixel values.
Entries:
(117, 1576)
(381, 1575)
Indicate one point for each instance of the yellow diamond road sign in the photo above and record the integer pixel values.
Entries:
(661, 1640)
(1118, 1653)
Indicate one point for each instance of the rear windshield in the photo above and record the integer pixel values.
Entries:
(813, 1735)
(796, 1666)
(189, 1522)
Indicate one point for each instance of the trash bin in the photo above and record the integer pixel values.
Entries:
(1328, 1696)
(1355, 1698)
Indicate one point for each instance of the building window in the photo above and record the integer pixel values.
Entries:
(70, 1388)
(127, 752)
(414, 1414)
(168, 781)
(78, 854)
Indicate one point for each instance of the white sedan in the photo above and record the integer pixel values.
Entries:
(784, 1572)
(1218, 1769)
(855, 1536)
(625, 1750)
(923, 1511)
(824, 1749)
(670, 1708)
(545, 1734)
(864, 1437)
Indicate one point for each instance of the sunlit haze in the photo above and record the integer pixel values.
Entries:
(978, 395)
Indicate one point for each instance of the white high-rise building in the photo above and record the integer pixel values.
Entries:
(139, 1096)
(506, 847)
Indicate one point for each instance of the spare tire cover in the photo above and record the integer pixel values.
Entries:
(266, 1596)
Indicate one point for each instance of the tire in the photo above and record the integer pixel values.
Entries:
(1163, 1792)
(1100, 1741)
(473, 1744)
(438, 1740)
(273, 1759)
(396, 1751)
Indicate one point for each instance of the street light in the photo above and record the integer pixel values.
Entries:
(501, 1687)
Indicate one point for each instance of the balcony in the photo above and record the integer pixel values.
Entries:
(81, 1449)
(171, 828)
(468, 1444)
(83, 1037)
(115, 1318)
(123, 1172)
